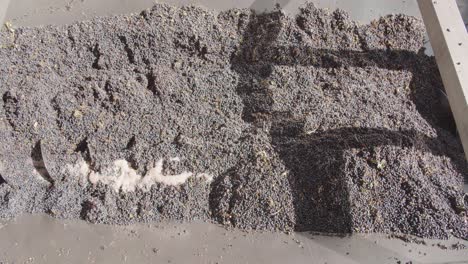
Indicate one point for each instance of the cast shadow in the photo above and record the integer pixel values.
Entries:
(322, 152)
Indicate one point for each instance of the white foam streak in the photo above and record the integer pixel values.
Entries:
(122, 177)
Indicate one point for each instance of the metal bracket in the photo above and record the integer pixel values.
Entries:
(449, 40)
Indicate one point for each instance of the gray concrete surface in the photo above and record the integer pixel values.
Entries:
(40, 239)
(41, 12)
(3, 9)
